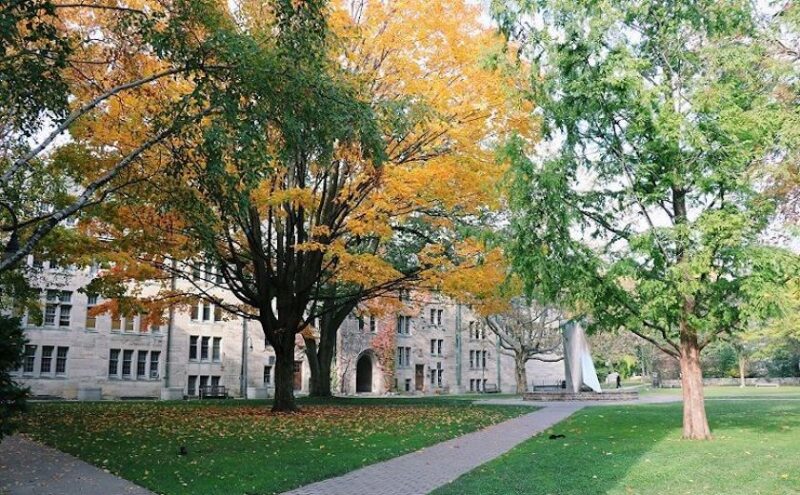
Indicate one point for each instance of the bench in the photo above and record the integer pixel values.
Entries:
(549, 387)
(491, 388)
(213, 392)
(767, 384)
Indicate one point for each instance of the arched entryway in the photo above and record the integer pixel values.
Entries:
(364, 374)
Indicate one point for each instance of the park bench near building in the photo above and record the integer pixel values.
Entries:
(491, 388)
(767, 384)
(213, 392)
(549, 386)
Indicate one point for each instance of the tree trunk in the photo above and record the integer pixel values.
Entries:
(695, 423)
(742, 371)
(320, 360)
(521, 374)
(284, 374)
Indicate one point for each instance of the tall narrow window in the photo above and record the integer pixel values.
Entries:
(433, 346)
(360, 323)
(47, 359)
(215, 381)
(215, 349)
(433, 316)
(204, 348)
(116, 323)
(155, 357)
(127, 357)
(203, 382)
(195, 312)
(113, 362)
(61, 360)
(193, 347)
(129, 323)
(206, 311)
(439, 317)
(29, 359)
(439, 345)
(91, 302)
(191, 385)
(217, 313)
(141, 365)
(373, 324)
(267, 375)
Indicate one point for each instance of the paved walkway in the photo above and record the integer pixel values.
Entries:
(422, 471)
(29, 468)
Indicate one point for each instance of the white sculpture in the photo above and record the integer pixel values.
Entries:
(578, 364)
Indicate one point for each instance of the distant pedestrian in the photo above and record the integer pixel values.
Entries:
(619, 381)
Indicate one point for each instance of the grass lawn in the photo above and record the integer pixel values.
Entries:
(239, 447)
(628, 450)
(733, 392)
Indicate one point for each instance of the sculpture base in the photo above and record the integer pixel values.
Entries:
(587, 396)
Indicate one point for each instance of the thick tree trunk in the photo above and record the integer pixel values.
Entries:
(695, 423)
(521, 374)
(321, 353)
(284, 375)
(320, 360)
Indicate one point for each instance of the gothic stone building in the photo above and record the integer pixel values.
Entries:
(435, 346)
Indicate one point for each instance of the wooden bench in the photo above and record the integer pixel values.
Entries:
(491, 388)
(213, 392)
(767, 384)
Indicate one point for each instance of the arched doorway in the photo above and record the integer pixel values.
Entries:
(364, 374)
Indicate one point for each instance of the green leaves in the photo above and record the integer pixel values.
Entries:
(644, 209)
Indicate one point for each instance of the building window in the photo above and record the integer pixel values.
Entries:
(472, 359)
(439, 317)
(439, 375)
(439, 346)
(91, 302)
(215, 349)
(433, 316)
(58, 308)
(204, 348)
(113, 362)
(360, 323)
(141, 365)
(195, 312)
(215, 381)
(29, 359)
(61, 360)
(155, 357)
(116, 323)
(191, 385)
(129, 323)
(373, 324)
(47, 359)
(432, 374)
(206, 311)
(433, 346)
(403, 325)
(217, 313)
(127, 357)
(483, 360)
(193, 347)
(404, 294)
(267, 375)
(203, 382)
(403, 356)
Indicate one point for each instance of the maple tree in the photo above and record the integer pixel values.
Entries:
(90, 91)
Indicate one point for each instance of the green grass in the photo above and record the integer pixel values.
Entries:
(240, 447)
(733, 392)
(625, 450)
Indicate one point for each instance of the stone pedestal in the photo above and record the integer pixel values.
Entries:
(257, 393)
(90, 393)
(172, 393)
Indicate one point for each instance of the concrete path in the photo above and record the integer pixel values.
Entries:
(422, 471)
(29, 468)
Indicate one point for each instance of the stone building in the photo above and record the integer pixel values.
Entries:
(435, 345)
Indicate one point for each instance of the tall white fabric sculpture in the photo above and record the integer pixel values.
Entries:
(578, 364)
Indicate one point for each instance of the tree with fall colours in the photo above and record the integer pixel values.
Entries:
(88, 93)
(434, 73)
(644, 210)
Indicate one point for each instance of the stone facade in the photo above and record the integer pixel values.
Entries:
(436, 346)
